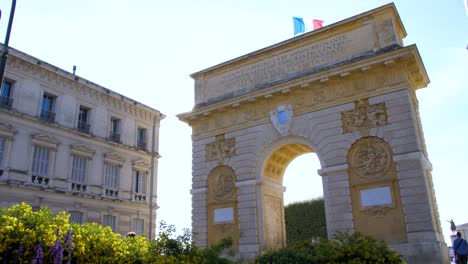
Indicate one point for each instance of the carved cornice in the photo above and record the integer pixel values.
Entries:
(114, 158)
(19, 61)
(7, 130)
(44, 140)
(343, 84)
(82, 150)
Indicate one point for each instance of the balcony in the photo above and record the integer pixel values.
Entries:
(47, 116)
(114, 137)
(141, 145)
(6, 102)
(83, 127)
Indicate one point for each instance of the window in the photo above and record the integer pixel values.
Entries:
(140, 186)
(111, 179)
(78, 174)
(141, 138)
(138, 226)
(76, 217)
(109, 220)
(47, 108)
(5, 95)
(115, 130)
(83, 120)
(40, 163)
(40, 166)
(2, 148)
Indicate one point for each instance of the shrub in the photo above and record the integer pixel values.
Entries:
(344, 248)
(41, 237)
(305, 220)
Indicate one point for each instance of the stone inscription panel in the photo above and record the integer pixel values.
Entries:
(223, 215)
(286, 64)
(376, 196)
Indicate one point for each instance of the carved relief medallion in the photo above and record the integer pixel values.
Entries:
(281, 118)
(364, 116)
(220, 149)
(221, 183)
(370, 157)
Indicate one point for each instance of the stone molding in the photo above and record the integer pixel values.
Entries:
(114, 158)
(199, 190)
(417, 155)
(327, 171)
(7, 130)
(82, 150)
(141, 165)
(241, 184)
(45, 141)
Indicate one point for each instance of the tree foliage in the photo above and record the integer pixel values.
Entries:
(305, 220)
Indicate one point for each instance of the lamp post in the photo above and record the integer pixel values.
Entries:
(3, 58)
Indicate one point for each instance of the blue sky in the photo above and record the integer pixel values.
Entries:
(146, 49)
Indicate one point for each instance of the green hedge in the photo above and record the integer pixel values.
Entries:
(344, 248)
(305, 220)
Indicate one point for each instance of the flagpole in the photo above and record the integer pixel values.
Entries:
(3, 58)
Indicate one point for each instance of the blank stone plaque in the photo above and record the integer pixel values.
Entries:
(376, 196)
(223, 215)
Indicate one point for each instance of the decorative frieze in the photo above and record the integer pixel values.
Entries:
(221, 149)
(364, 116)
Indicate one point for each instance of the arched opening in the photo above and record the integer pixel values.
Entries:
(299, 155)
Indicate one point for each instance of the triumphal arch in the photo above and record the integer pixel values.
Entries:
(346, 92)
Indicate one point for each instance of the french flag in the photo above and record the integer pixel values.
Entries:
(310, 24)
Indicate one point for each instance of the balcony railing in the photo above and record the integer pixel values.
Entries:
(78, 188)
(40, 181)
(6, 102)
(111, 193)
(47, 116)
(141, 145)
(114, 137)
(138, 197)
(83, 127)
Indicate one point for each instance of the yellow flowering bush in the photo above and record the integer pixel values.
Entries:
(42, 237)
(21, 230)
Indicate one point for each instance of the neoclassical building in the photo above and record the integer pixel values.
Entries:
(71, 145)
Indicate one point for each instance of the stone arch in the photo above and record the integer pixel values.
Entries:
(271, 165)
(325, 91)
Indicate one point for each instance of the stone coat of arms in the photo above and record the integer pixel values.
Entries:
(281, 118)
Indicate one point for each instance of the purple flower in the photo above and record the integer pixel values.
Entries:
(20, 254)
(68, 243)
(38, 257)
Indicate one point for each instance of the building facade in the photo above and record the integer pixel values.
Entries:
(71, 145)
